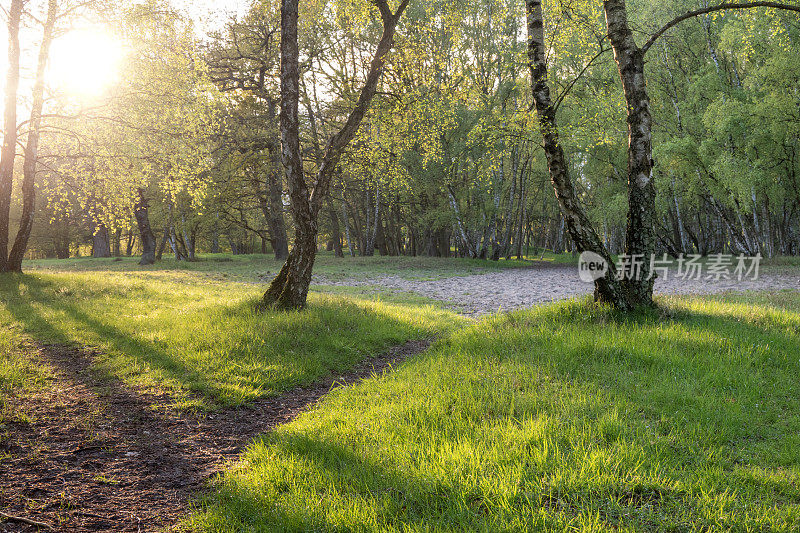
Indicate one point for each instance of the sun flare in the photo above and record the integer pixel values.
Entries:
(85, 62)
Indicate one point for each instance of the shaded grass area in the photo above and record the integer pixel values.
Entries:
(223, 267)
(200, 339)
(566, 417)
(783, 261)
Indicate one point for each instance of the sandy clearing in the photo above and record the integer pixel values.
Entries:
(505, 290)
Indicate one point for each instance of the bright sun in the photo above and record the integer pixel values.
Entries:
(85, 62)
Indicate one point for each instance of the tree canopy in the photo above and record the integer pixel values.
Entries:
(431, 138)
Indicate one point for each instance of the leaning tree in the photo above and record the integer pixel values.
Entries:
(289, 289)
(629, 57)
(630, 60)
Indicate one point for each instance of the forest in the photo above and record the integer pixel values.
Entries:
(321, 265)
(180, 151)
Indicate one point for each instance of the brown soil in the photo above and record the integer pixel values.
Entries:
(98, 456)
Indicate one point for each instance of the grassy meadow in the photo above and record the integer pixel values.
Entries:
(563, 417)
(194, 333)
(226, 267)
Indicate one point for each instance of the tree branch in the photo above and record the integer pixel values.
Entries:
(402, 7)
(342, 138)
(574, 80)
(24, 520)
(711, 9)
(383, 7)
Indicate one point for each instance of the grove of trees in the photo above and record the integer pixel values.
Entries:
(421, 127)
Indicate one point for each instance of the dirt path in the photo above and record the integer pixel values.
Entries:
(505, 290)
(98, 456)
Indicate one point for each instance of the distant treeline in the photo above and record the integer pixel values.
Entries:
(448, 160)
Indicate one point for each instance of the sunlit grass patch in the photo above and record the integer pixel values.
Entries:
(18, 373)
(563, 417)
(202, 340)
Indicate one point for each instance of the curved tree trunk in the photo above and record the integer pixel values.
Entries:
(141, 211)
(607, 288)
(640, 233)
(289, 289)
(130, 242)
(32, 147)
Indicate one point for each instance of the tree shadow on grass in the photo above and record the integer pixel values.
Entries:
(258, 355)
(24, 293)
(722, 393)
(316, 483)
(723, 356)
(387, 498)
(98, 456)
(143, 457)
(716, 478)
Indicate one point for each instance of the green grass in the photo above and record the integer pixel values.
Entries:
(261, 268)
(224, 267)
(782, 261)
(198, 338)
(16, 371)
(18, 374)
(566, 417)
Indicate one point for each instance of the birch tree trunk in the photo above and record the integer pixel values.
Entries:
(275, 221)
(640, 238)
(32, 146)
(607, 288)
(145, 231)
(470, 247)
